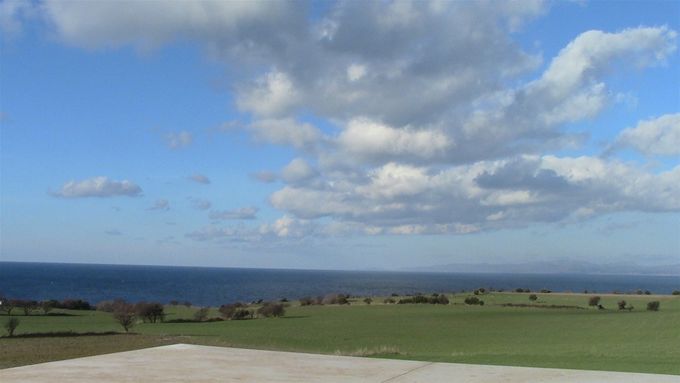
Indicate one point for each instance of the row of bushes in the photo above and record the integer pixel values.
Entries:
(329, 299)
(622, 304)
(435, 299)
(29, 306)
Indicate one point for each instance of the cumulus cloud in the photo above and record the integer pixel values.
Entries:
(178, 140)
(148, 24)
(298, 170)
(160, 204)
(285, 131)
(240, 213)
(199, 178)
(658, 136)
(369, 140)
(272, 95)
(436, 120)
(101, 187)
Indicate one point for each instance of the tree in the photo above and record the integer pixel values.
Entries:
(124, 313)
(594, 301)
(151, 312)
(7, 305)
(533, 297)
(202, 314)
(11, 325)
(46, 306)
(271, 310)
(622, 304)
(368, 300)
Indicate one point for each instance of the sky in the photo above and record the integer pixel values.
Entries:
(339, 135)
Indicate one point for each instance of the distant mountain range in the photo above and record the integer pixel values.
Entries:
(554, 267)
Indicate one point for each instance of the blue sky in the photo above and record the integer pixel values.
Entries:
(339, 135)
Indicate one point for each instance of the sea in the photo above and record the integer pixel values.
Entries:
(215, 286)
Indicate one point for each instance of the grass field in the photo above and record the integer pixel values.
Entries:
(637, 341)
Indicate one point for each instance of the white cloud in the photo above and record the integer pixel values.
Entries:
(286, 131)
(239, 214)
(145, 24)
(287, 227)
(658, 136)
(271, 95)
(445, 123)
(355, 72)
(98, 187)
(369, 139)
(297, 170)
(178, 140)
(199, 178)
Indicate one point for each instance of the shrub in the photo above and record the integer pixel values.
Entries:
(676, 292)
(622, 304)
(201, 314)
(26, 305)
(124, 314)
(594, 301)
(389, 301)
(653, 306)
(6, 305)
(647, 292)
(476, 292)
(46, 306)
(74, 304)
(474, 301)
(368, 300)
(306, 301)
(233, 310)
(186, 304)
(439, 299)
(335, 299)
(271, 310)
(11, 325)
(241, 314)
(110, 306)
(533, 297)
(545, 291)
(174, 303)
(482, 290)
(150, 311)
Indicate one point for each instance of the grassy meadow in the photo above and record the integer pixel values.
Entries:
(580, 338)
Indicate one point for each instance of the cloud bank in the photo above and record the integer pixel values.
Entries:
(436, 120)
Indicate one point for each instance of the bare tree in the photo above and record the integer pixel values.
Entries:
(124, 314)
(11, 324)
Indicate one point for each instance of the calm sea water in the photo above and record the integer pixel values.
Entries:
(215, 286)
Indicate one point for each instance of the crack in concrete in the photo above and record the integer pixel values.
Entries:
(407, 372)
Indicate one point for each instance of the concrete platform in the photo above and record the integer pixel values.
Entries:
(190, 363)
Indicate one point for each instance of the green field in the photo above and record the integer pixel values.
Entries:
(637, 341)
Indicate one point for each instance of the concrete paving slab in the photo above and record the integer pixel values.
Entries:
(182, 363)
